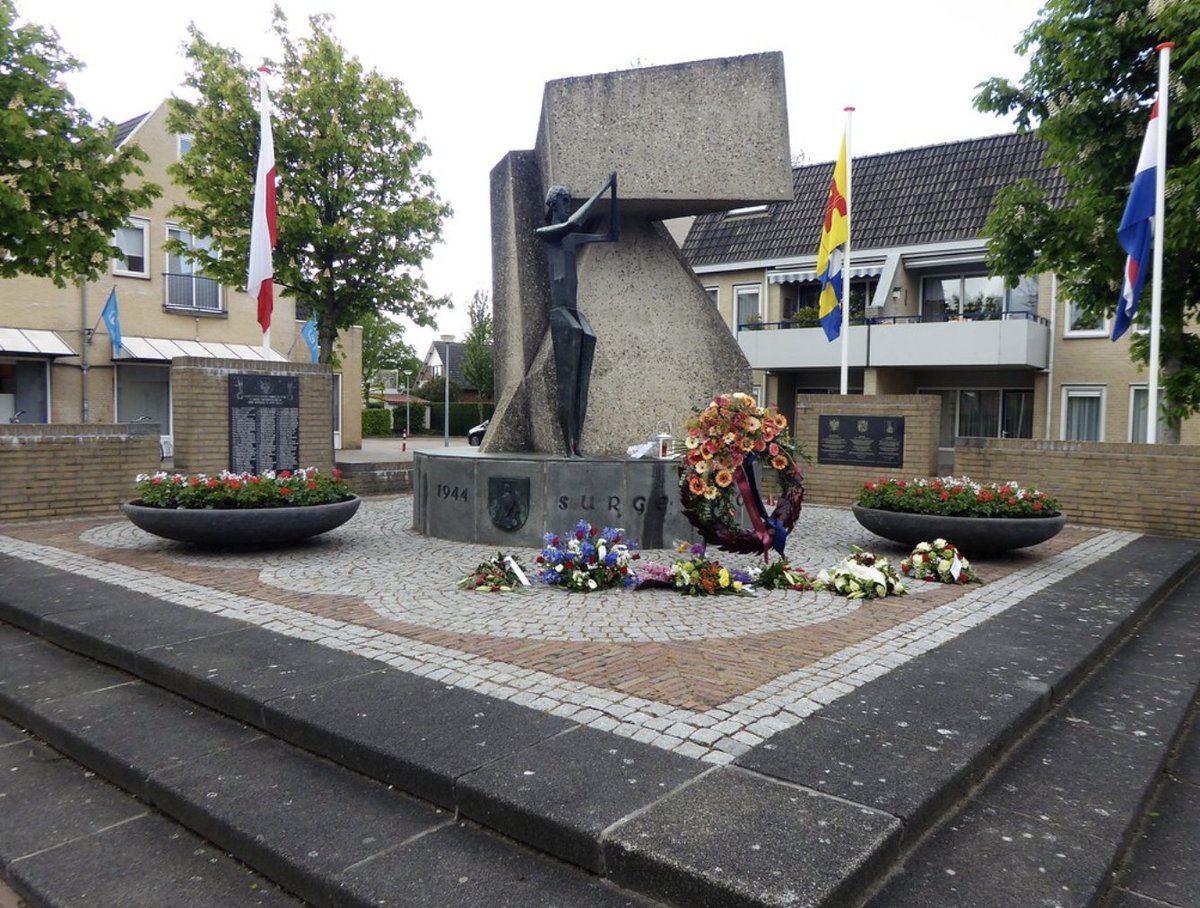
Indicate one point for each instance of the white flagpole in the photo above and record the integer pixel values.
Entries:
(1160, 193)
(845, 301)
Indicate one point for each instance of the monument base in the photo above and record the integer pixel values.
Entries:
(515, 499)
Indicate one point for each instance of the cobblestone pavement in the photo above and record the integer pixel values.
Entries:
(704, 677)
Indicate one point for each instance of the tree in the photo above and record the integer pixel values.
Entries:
(383, 347)
(64, 188)
(356, 214)
(479, 365)
(433, 390)
(1092, 77)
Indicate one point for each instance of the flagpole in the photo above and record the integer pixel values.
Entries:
(1160, 192)
(845, 301)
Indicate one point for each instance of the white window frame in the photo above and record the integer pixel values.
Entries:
(182, 140)
(738, 290)
(1068, 319)
(1134, 390)
(1081, 391)
(144, 225)
(193, 274)
(714, 294)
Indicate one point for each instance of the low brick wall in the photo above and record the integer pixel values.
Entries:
(377, 479)
(201, 406)
(1148, 488)
(835, 484)
(65, 470)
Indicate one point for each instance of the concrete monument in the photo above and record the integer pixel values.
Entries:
(603, 336)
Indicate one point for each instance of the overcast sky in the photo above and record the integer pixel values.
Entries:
(476, 71)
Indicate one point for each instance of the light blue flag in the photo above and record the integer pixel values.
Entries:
(309, 333)
(112, 319)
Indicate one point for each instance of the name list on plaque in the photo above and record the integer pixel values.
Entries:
(264, 423)
(861, 441)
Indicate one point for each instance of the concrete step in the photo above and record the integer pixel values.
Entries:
(817, 815)
(69, 838)
(1054, 821)
(316, 829)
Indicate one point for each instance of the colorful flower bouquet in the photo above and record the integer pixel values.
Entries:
(861, 575)
(957, 496)
(588, 559)
(938, 562)
(231, 491)
(502, 574)
(698, 576)
(780, 575)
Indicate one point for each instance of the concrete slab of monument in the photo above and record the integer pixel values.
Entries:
(677, 135)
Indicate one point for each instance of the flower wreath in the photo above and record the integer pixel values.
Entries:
(723, 442)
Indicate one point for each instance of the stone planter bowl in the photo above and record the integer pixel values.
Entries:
(241, 527)
(971, 535)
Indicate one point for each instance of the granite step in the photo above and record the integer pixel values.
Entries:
(188, 776)
(1054, 822)
(817, 815)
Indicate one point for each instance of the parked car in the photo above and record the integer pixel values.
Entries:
(475, 436)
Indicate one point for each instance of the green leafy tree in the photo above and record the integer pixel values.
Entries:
(356, 214)
(479, 365)
(1093, 74)
(383, 347)
(433, 390)
(64, 188)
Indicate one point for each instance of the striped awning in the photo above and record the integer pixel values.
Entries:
(33, 342)
(802, 277)
(164, 349)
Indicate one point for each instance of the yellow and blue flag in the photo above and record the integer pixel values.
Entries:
(835, 235)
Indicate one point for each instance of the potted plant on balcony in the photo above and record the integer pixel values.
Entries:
(977, 517)
(241, 509)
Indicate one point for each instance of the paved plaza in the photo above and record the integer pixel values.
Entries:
(707, 678)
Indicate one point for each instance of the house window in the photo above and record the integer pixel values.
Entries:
(144, 395)
(802, 305)
(746, 306)
(186, 286)
(24, 390)
(1083, 413)
(714, 295)
(1139, 400)
(185, 145)
(1080, 324)
(131, 240)
(984, 413)
(975, 296)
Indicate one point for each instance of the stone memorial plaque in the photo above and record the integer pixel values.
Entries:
(861, 441)
(264, 422)
(513, 501)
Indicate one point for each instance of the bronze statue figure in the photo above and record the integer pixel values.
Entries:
(574, 341)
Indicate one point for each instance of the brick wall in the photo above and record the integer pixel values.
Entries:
(201, 408)
(1147, 488)
(64, 470)
(838, 485)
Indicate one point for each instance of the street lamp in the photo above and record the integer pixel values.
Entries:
(407, 402)
(446, 339)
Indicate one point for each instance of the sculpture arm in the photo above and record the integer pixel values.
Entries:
(575, 222)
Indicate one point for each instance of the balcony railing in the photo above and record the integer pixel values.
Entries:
(191, 291)
(998, 339)
(932, 318)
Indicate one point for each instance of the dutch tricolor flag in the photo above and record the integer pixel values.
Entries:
(1137, 228)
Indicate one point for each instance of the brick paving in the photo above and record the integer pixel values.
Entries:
(708, 678)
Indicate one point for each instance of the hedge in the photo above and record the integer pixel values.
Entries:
(376, 423)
